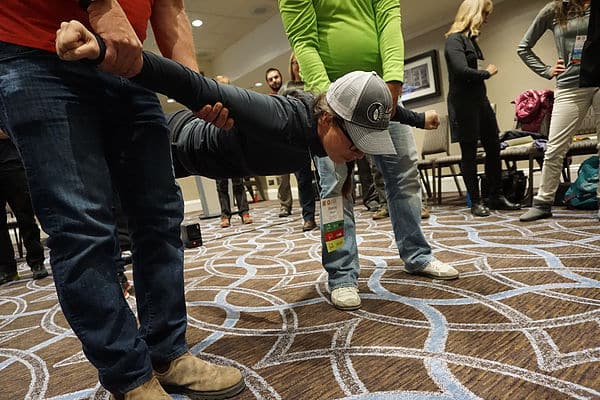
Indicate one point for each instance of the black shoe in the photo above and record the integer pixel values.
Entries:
(6, 277)
(502, 203)
(479, 210)
(39, 271)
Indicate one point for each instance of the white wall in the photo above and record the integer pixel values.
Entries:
(499, 39)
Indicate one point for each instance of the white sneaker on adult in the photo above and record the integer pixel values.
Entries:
(346, 298)
(437, 270)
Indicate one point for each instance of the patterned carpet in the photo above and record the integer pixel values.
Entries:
(521, 323)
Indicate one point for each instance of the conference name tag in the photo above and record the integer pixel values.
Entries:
(578, 49)
(332, 215)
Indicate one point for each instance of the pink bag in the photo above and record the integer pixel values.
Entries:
(532, 106)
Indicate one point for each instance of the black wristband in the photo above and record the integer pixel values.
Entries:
(85, 4)
(98, 60)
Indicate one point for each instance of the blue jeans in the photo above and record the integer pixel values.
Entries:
(404, 204)
(79, 131)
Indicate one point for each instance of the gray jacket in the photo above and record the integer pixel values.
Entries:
(564, 38)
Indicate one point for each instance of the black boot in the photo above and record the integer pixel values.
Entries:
(39, 271)
(480, 210)
(500, 202)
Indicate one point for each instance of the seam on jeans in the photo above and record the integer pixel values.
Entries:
(138, 382)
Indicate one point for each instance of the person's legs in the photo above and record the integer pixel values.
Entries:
(404, 204)
(223, 193)
(570, 107)
(52, 111)
(342, 264)
(488, 134)
(141, 166)
(306, 194)
(404, 197)
(8, 264)
(20, 202)
(468, 168)
(240, 199)
(379, 184)
(493, 168)
(284, 194)
(369, 194)
(240, 196)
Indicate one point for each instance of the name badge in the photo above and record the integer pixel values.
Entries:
(578, 49)
(332, 215)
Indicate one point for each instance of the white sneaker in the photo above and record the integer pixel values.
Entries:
(437, 270)
(346, 298)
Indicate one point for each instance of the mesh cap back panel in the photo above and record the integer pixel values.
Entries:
(344, 94)
(372, 111)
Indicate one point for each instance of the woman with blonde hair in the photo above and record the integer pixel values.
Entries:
(469, 111)
(568, 21)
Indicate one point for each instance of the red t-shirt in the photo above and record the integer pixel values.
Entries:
(33, 23)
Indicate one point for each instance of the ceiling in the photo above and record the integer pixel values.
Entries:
(226, 22)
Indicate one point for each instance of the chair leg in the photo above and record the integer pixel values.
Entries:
(425, 180)
(529, 197)
(454, 175)
(439, 184)
(20, 244)
(434, 181)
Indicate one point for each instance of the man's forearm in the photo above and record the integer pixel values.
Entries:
(173, 32)
(123, 46)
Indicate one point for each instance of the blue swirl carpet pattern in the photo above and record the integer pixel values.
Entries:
(522, 322)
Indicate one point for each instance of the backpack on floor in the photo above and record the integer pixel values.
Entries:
(582, 193)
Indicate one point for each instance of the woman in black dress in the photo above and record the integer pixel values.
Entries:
(470, 114)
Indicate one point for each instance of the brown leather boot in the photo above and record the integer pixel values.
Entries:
(199, 379)
(150, 390)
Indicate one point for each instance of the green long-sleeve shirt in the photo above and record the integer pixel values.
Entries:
(334, 37)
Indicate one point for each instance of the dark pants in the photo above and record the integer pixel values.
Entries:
(79, 131)
(488, 135)
(238, 193)
(14, 191)
(306, 190)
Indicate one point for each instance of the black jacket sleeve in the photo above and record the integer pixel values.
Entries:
(456, 58)
(409, 117)
(176, 81)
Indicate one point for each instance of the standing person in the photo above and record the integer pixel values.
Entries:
(470, 114)
(14, 191)
(238, 189)
(569, 24)
(284, 191)
(80, 130)
(327, 46)
(304, 176)
(239, 192)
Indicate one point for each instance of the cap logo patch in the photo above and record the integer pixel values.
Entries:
(375, 112)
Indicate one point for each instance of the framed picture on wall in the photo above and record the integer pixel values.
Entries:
(421, 77)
